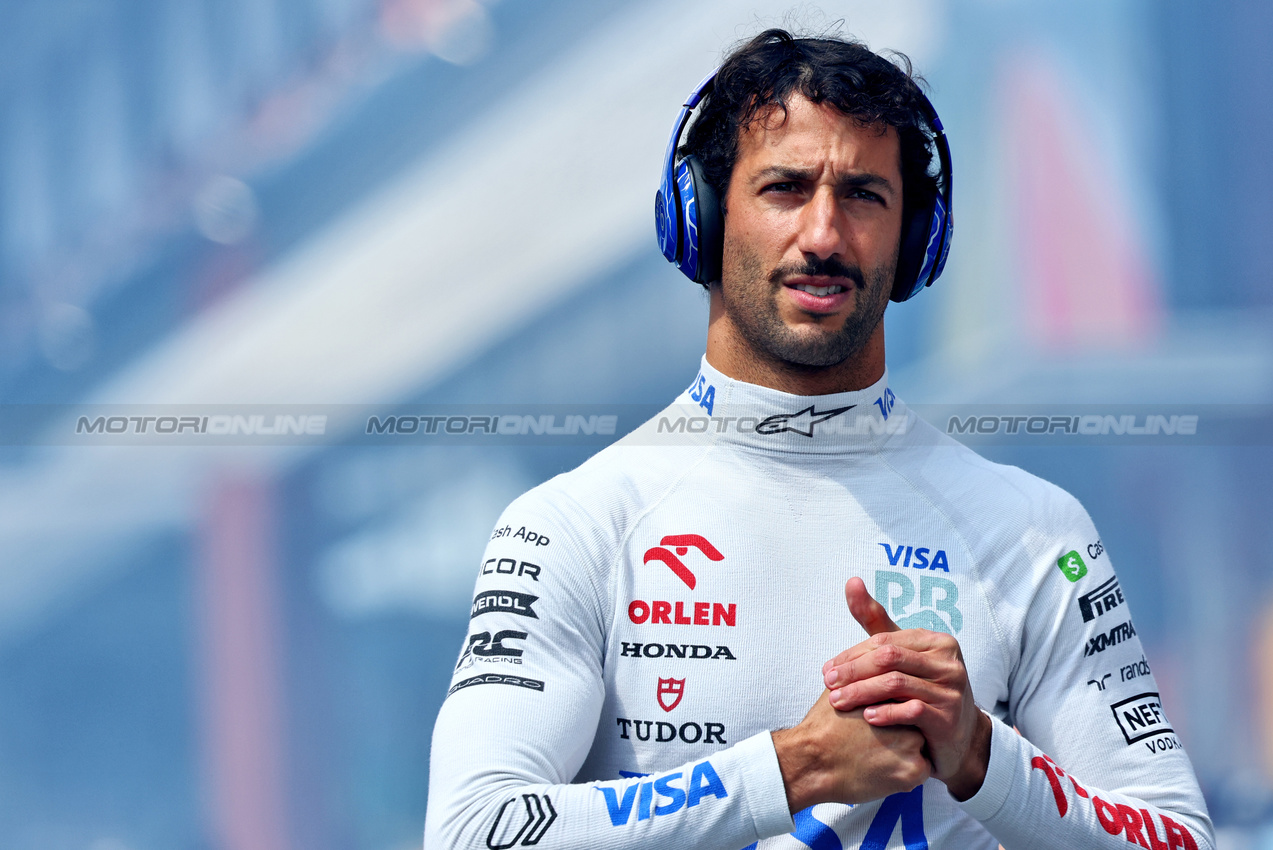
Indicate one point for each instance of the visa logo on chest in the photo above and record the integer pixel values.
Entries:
(918, 557)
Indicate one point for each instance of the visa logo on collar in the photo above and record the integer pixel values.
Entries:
(703, 393)
(885, 402)
(917, 557)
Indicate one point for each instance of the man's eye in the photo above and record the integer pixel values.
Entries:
(781, 187)
(865, 195)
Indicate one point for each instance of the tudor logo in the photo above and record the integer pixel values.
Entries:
(801, 422)
(670, 689)
(512, 828)
(682, 543)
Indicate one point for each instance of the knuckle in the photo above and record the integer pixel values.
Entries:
(878, 640)
(889, 654)
(894, 681)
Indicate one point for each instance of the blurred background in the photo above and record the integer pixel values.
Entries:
(308, 205)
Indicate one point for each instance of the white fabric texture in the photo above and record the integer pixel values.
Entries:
(640, 624)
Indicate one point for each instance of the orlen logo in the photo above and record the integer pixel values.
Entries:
(682, 544)
(660, 611)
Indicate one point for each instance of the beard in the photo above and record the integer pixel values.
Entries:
(752, 304)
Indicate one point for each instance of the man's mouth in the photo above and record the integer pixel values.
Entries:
(834, 289)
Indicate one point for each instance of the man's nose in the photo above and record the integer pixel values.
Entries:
(823, 226)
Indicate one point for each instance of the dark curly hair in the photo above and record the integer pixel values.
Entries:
(765, 72)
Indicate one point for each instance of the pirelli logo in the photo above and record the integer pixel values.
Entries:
(1103, 599)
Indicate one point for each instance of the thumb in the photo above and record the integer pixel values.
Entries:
(869, 613)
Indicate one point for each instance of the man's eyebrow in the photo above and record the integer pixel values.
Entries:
(863, 180)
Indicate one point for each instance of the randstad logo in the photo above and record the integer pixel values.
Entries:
(663, 796)
(917, 557)
(1072, 566)
(937, 599)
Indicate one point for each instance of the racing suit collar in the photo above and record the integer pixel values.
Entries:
(752, 415)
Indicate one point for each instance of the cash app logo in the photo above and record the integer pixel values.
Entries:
(1072, 566)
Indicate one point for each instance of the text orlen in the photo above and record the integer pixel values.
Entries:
(674, 613)
(663, 796)
(1116, 818)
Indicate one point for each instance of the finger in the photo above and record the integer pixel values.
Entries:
(887, 658)
(890, 687)
(869, 613)
(920, 640)
(912, 712)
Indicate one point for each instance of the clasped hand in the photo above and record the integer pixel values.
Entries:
(898, 709)
(913, 677)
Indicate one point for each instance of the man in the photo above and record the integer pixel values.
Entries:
(650, 630)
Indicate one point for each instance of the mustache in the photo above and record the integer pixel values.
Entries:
(817, 267)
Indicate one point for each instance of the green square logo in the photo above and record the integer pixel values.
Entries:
(1072, 566)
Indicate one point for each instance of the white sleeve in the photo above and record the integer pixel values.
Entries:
(524, 704)
(1096, 763)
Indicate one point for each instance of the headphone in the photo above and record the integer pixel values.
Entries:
(691, 227)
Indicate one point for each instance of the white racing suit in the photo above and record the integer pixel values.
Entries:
(642, 623)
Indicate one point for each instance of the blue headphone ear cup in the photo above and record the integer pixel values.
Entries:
(924, 246)
(667, 223)
(916, 218)
(708, 227)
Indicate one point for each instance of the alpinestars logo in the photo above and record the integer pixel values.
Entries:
(540, 815)
(682, 544)
(672, 689)
(801, 422)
